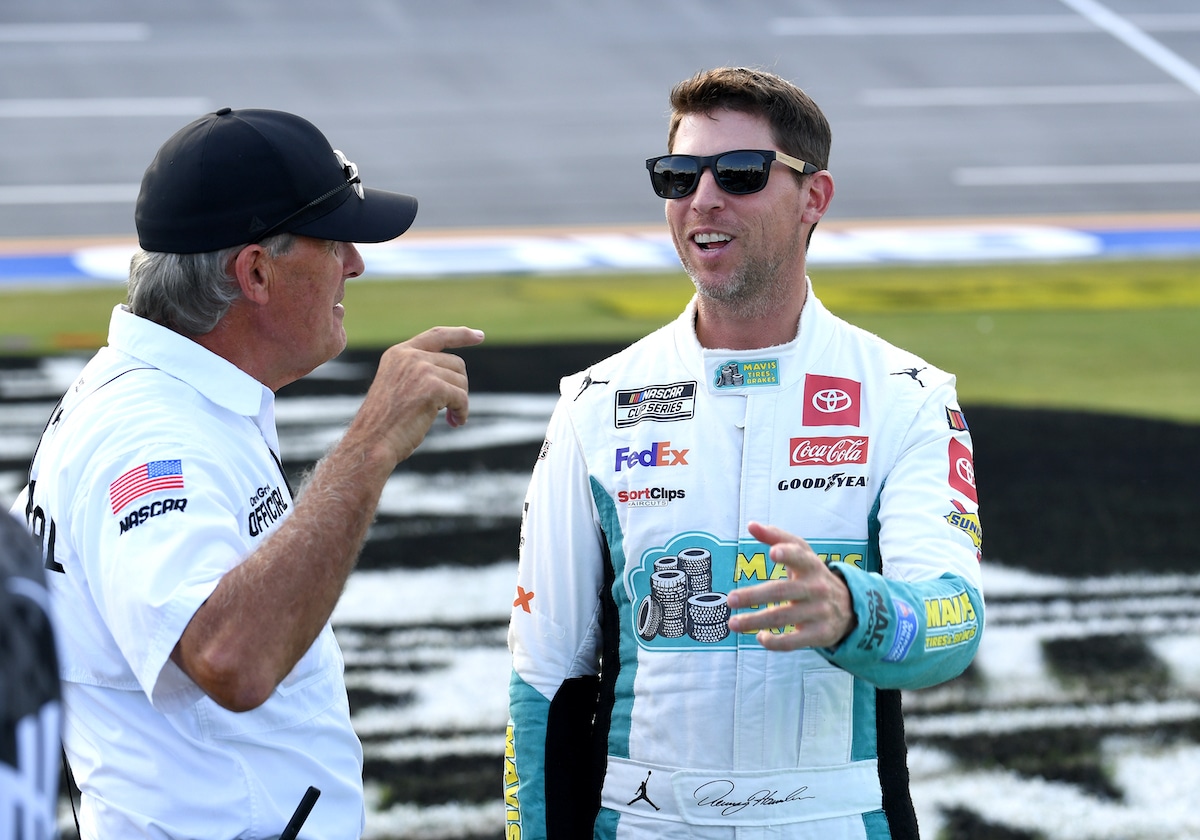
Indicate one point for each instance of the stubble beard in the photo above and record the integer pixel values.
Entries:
(753, 291)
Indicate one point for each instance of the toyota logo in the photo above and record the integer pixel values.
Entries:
(830, 400)
(966, 470)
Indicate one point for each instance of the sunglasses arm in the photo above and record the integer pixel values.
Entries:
(803, 167)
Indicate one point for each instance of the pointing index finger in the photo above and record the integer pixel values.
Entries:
(437, 339)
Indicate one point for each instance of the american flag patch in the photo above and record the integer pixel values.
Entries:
(155, 475)
(956, 419)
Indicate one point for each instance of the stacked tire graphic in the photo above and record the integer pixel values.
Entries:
(708, 617)
(697, 565)
(669, 588)
(681, 601)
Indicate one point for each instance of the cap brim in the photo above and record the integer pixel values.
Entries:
(377, 217)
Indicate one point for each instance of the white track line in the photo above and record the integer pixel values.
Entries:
(1137, 40)
(1021, 176)
(69, 194)
(991, 97)
(930, 25)
(925, 25)
(104, 107)
(30, 33)
(996, 721)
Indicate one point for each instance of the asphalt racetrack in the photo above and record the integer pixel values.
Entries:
(1080, 719)
(519, 114)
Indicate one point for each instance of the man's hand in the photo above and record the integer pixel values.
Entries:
(414, 382)
(266, 612)
(812, 600)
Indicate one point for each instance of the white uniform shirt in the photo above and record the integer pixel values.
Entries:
(156, 475)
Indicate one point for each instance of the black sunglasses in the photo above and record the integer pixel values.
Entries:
(349, 169)
(739, 172)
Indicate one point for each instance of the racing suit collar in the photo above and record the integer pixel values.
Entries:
(748, 371)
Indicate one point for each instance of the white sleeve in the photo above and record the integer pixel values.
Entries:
(152, 561)
(929, 509)
(554, 629)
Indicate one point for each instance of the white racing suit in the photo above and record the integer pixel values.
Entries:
(635, 713)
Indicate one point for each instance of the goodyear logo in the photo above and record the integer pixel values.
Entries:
(747, 374)
(949, 621)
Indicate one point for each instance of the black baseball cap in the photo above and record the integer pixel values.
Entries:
(234, 177)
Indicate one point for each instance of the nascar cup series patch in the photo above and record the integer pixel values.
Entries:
(661, 403)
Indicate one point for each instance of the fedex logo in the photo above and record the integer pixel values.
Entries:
(831, 401)
(658, 455)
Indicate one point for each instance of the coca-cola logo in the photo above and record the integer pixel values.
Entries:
(828, 451)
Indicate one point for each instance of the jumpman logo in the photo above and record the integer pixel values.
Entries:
(588, 381)
(641, 793)
(913, 372)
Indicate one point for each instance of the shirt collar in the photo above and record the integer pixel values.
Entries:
(217, 379)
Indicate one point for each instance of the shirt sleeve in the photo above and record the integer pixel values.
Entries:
(553, 633)
(162, 526)
(920, 621)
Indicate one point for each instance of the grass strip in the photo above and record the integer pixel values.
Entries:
(1113, 336)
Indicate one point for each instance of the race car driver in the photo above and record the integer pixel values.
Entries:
(744, 534)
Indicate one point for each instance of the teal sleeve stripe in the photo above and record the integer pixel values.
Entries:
(909, 635)
(621, 720)
(525, 759)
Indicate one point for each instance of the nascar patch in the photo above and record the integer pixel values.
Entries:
(660, 403)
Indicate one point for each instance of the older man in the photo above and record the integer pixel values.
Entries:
(202, 684)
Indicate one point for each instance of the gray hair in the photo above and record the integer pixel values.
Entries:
(190, 293)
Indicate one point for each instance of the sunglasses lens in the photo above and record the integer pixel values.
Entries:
(741, 172)
(674, 176)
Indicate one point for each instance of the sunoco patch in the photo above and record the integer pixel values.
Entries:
(906, 631)
(661, 403)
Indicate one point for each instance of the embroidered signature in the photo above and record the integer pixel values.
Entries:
(716, 794)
